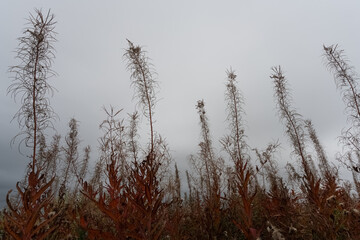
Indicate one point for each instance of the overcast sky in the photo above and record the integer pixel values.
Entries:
(191, 44)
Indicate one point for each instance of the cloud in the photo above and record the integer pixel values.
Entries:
(191, 45)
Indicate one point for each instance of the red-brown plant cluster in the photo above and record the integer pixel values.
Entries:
(134, 193)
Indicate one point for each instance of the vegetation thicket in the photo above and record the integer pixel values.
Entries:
(135, 193)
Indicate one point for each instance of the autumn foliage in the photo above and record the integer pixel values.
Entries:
(135, 191)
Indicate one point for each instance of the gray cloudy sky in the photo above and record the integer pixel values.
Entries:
(191, 44)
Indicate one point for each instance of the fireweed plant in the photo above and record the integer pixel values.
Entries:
(135, 191)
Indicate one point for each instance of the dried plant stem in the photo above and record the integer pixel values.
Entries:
(35, 52)
(143, 82)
